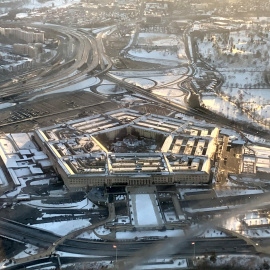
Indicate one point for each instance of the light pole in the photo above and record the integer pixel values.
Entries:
(194, 246)
(114, 246)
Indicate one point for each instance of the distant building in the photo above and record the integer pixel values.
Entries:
(126, 147)
(31, 50)
(14, 63)
(28, 35)
(154, 20)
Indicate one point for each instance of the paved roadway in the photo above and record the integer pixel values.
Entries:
(201, 113)
(45, 239)
(219, 245)
(221, 201)
(85, 51)
(27, 234)
(127, 249)
(86, 43)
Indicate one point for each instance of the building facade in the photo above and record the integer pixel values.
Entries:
(126, 147)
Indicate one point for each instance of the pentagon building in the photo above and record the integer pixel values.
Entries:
(127, 147)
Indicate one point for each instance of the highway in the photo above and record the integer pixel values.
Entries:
(84, 59)
(26, 234)
(219, 245)
(130, 249)
(89, 55)
(200, 113)
(45, 239)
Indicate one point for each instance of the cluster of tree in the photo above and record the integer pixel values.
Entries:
(209, 261)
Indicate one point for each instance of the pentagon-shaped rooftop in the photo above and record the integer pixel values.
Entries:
(121, 146)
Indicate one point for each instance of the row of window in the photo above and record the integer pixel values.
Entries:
(100, 182)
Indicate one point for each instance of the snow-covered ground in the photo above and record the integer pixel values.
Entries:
(144, 210)
(161, 57)
(155, 54)
(131, 99)
(242, 58)
(101, 230)
(30, 250)
(183, 191)
(243, 78)
(256, 233)
(157, 39)
(156, 80)
(35, 4)
(141, 82)
(236, 192)
(163, 264)
(80, 85)
(146, 234)
(63, 227)
(67, 254)
(3, 179)
(168, 92)
(6, 105)
(57, 193)
(224, 107)
(45, 215)
(209, 233)
(84, 204)
(234, 48)
(151, 73)
(257, 139)
(260, 151)
(110, 89)
(89, 235)
(174, 95)
(249, 180)
(249, 90)
(21, 15)
(167, 79)
(40, 182)
(249, 262)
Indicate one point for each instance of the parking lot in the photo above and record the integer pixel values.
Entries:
(53, 109)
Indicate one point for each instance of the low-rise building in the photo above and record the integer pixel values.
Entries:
(126, 147)
(28, 35)
(31, 50)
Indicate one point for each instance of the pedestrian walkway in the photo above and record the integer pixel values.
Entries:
(177, 207)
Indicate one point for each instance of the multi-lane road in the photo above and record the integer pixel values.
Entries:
(88, 54)
(44, 239)
(77, 56)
